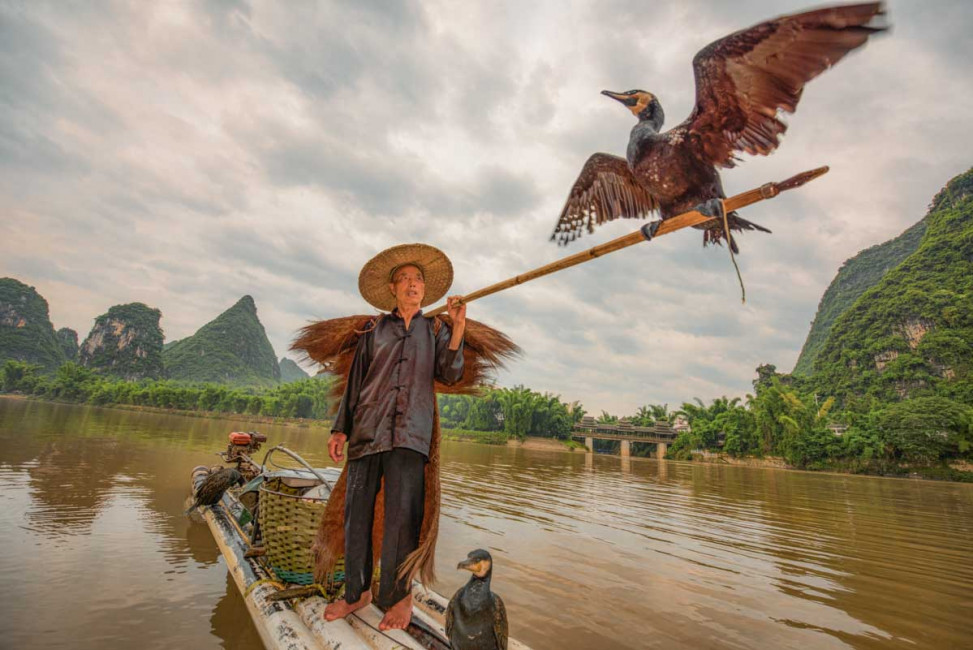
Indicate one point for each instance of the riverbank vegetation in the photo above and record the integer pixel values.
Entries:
(787, 417)
(72, 382)
(515, 412)
(784, 417)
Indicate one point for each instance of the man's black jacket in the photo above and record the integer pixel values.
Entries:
(389, 400)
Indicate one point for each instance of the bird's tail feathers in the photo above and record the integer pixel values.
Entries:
(715, 235)
(739, 223)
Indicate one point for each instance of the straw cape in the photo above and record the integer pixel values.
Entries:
(332, 343)
(437, 271)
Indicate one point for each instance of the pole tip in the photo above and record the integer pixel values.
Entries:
(802, 178)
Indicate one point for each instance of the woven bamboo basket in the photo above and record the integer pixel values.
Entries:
(288, 523)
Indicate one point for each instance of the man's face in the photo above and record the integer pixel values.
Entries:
(408, 286)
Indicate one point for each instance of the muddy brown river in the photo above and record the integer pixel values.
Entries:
(590, 552)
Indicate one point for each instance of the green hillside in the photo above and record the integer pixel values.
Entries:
(26, 332)
(290, 371)
(911, 334)
(68, 339)
(125, 342)
(231, 349)
(855, 276)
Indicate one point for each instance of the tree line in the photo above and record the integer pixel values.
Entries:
(72, 382)
(517, 412)
(786, 417)
(782, 417)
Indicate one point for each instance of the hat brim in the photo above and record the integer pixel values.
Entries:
(375, 276)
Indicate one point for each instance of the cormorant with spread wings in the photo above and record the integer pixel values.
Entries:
(742, 82)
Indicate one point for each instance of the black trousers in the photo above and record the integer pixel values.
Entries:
(404, 474)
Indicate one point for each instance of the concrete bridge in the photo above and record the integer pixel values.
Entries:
(662, 434)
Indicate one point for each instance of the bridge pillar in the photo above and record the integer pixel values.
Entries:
(661, 450)
(626, 448)
(589, 444)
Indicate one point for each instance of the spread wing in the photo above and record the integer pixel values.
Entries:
(605, 190)
(742, 80)
(500, 622)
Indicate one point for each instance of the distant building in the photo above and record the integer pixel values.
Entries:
(587, 422)
(681, 424)
(837, 428)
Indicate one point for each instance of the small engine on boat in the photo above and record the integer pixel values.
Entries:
(242, 445)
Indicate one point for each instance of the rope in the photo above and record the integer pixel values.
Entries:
(254, 585)
(729, 244)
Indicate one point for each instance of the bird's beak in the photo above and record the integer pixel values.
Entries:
(616, 96)
(467, 564)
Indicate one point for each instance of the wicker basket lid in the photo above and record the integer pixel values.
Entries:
(375, 276)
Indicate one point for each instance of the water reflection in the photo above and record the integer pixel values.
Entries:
(231, 622)
(70, 483)
(590, 551)
(199, 540)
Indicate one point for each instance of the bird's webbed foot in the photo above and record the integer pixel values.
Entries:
(711, 208)
(715, 230)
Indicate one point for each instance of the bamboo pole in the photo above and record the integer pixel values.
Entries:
(684, 220)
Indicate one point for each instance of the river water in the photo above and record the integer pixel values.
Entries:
(590, 552)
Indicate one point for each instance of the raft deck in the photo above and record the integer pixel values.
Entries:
(298, 624)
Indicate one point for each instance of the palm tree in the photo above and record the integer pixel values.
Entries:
(577, 412)
(661, 412)
(607, 418)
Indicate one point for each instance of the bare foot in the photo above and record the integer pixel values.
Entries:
(398, 616)
(340, 608)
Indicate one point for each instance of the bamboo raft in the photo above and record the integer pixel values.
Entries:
(289, 616)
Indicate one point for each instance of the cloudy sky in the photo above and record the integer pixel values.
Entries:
(183, 154)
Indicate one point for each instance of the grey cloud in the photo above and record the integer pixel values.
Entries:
(340, 45)
(375, 182)
(502, 192)
(295, 258)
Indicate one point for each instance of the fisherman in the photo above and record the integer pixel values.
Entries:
(386, 417)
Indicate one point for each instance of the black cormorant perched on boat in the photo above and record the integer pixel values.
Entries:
(213, 486)
(475, 617)
(742, 81)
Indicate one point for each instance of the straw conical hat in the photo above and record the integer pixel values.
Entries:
(375, 276)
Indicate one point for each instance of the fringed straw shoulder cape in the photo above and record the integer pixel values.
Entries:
(332, 344)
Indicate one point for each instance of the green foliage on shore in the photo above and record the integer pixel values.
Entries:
(26, 332)
(781, 419)
(517, 412)
(75, 383)
(650, 414)
(482, 437)
(231, 349)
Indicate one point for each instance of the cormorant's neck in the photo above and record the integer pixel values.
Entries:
(652, 116)
(480, 584)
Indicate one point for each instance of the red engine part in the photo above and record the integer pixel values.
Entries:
(239, 438)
